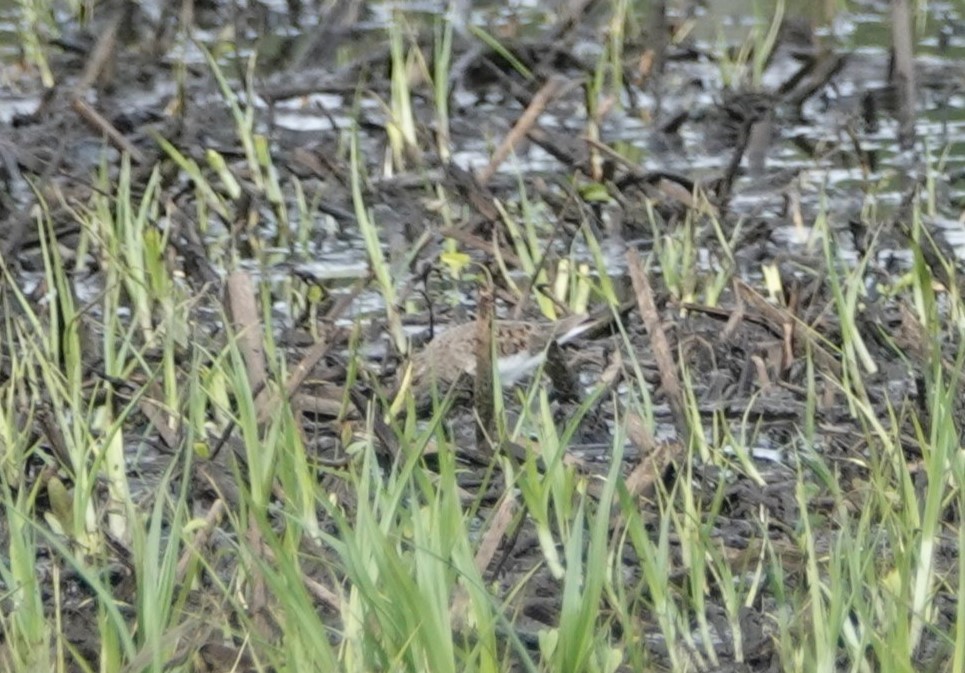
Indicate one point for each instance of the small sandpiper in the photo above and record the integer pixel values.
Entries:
(521, 347)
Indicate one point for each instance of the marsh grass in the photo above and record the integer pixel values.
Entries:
(745, 66)
(383, 562)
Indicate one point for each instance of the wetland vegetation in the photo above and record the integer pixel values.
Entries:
(238, 236)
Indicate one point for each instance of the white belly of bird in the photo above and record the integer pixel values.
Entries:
(514, 367)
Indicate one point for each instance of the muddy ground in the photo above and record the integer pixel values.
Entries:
(689, 153)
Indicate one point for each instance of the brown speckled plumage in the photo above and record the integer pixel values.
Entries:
(520, 346)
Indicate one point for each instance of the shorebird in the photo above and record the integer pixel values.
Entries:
(521, 347)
